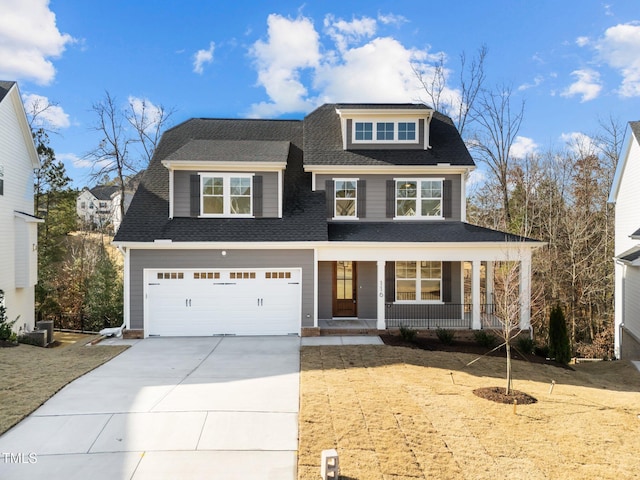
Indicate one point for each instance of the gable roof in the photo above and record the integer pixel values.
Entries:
(630, 257)
(214, 150)
(104, 192)
(303, 211)
(634, 127)
(323, 141)
(5, 86)
(9, 92)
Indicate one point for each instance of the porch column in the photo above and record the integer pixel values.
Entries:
(475, 295)
(490, 281)
(381, 324)
(525, 291)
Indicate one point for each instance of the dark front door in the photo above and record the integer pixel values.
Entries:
(344, 290)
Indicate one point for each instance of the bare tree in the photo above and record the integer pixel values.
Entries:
(139, 123)
(471, 79)
(499, 123)
(148, 122)
(111, 156)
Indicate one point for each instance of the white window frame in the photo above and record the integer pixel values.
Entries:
(418, 199)
(418, 283)
(374, 126)
(1, 180)
(335, 199)
(226, 194)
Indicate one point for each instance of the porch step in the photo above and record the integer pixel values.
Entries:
(350, 331)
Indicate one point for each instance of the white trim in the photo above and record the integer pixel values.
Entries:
(171, 199)
(374, 121)
(418, 199)
(364, 250)
(226, 194)
(316, 286)
(225, 167)
(280, 193)
(380, 278)
(126, 282)
(355, 199)
(387, 169)
(27, 218)
(622, 163)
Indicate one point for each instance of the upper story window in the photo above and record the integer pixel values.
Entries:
(1, 180)
(418, 198)
(418, 281)
(385, 132)
(226, 195)
(345, 198)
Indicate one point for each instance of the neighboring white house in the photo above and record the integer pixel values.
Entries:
(18, 225)
(116, 200)
(625, 194)
(95, 206)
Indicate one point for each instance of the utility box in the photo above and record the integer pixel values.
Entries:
(329, 465)
(46, 325)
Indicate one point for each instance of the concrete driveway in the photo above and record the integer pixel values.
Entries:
(170, 408)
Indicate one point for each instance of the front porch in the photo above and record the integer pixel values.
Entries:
(457, 295)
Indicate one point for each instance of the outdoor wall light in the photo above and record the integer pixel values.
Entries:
(224, 253)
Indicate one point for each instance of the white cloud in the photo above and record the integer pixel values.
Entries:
(144, 107)
(391, 19)
(536, 82)
(522, 146)
(619, 49)
(587, 85)
(356, 65)
(582, 41)
(46, 115)
(202, 57)
(29, 38)
(292, 46)
(580, 144)
(76, 161)
(345, 33)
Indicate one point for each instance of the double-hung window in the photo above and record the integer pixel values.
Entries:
(345, 198)
(1, 180)
(418, 198)
(226, 195)
(418, 281)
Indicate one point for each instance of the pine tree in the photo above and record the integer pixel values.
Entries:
(559, 347)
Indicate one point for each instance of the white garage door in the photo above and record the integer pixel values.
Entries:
(205, 302)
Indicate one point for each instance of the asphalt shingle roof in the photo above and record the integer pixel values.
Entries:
(635, 128)
(303, 211)
(5, 86)
(232, 150)
(323, 142)
(636, 234)
(409, 231)
(104, 192)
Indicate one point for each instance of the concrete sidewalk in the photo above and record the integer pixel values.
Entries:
(170, 408)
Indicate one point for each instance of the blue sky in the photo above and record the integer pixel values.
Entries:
(573, 62)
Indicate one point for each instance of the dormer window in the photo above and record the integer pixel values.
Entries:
(226, 195)
(385, 132)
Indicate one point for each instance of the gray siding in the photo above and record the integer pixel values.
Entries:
(141, 259)
(367, 291)
(181, 193)
(387, 146)
(376, 196)
(325, 290)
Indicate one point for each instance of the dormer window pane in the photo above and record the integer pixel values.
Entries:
(364, 131)
(406, 131)
(384, 131)
(227, 195)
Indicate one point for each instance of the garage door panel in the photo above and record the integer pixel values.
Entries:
(223, 302)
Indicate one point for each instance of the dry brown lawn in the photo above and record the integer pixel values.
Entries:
(30, 375)
(394, 413)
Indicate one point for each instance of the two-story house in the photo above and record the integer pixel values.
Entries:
(95, 206)
(255, 227)
(625, 196)
(18, 225)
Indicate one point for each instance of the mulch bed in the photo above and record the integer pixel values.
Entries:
(464, 346)
(499, 395)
